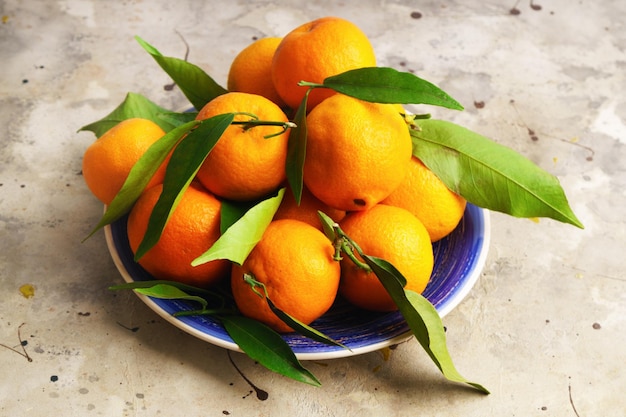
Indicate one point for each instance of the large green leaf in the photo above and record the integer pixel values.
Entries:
(488, 174)
(134, 105)
(387, 85)
(195, 84)
(184, 163)
(421, 317)
(239, 239)
(264, 345)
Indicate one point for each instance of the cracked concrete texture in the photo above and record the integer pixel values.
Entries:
(542, 328)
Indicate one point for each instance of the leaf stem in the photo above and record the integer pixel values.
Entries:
(249, 124)
(251, 280)
(311, 85)
(348, 247)
(344, 244)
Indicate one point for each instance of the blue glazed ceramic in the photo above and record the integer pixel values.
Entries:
(459, 259)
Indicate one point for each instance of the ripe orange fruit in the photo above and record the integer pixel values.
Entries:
(251, 70)
(428, 198)
(244, 165)
(395, 235)
(307, 210)
(191, 230)
(357, 152)
(108, 160)
(317, 50)
(295, 262)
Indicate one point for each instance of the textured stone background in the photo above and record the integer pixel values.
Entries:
(544, 326)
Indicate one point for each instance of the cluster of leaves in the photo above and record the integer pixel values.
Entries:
(485, 173)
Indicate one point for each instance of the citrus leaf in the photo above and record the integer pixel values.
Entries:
(387, 85)
(140, 175)
(292, 322)
(184, 163)
(301, 328)
(296, 150)
(422, 318)
(328, 225)
(206, 294)
(196, 85)
(231, 212)
(239, 239)
(178, 118)
(170, 292)
(488, 174)
(264, 345)
(134, 105)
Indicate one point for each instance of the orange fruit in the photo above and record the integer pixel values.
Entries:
(108, 160)
(294, 261)
(429, 199)
(244, 165)
(251, 70)
(395, 235)
(357, 152)
(317, 50)
(307, 210)
(191, 230)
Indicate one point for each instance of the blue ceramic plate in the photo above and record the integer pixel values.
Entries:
(459, 259)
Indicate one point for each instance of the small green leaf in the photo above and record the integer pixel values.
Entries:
(169, 292)
(264, 345)
(206, 294)
(134, 105)
(140, 175)
(296, 150)
(422, 318)
(196, 85)
(328, 225)
(184, 163)
(239, 239)
(488, 174)
(387, 85)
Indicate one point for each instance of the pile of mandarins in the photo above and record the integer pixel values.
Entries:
(359, 170)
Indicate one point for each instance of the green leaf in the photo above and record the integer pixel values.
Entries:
(196, 85)
(134, 105)
(232, 211)
(178, 118)
(296, 150)
(421, 317)
(264, 345)
(387, 85)
(328, 225)
(140, 175)
(301, 328)
(170, 292)
(488, 174)
(185, 162)
(238, 240)
(206, 294)
(292, 322)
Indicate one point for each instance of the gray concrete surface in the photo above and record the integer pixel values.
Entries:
(544, 328)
